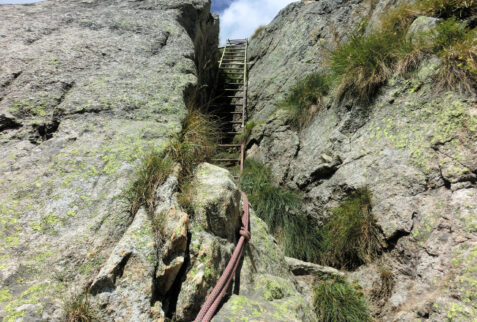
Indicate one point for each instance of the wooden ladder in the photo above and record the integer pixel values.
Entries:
(233, 69)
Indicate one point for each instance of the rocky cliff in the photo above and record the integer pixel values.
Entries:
(86, 88)
(412, 147)
(89, 88)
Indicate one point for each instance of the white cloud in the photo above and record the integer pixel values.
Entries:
(244, 16)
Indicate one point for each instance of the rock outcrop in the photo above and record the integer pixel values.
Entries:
(415, 150)
(86, 88)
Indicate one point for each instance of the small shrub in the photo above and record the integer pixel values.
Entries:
(350, 237)
(280, 209)
(78, 309)
(196, 143)
(152, 172)
(305, 98)
(449, 8)
(335, 300)
(258, 31)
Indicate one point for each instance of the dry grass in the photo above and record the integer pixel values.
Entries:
(364, 63)
(78, 309)
(457, 47)
(186, 197)
(258, 31)
(449, 8)
(196, 143)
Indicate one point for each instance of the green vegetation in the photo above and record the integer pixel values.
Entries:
(358, 67)
(78, 309)
(258, 31)
(280, 209)
(457, 47)
(196, 143)
(449, 8)
(363, 64)
(245, 135)
(152, 172)
(306, 98)
(350, 237)
(335, 300)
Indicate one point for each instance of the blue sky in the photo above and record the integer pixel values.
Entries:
(240, 18)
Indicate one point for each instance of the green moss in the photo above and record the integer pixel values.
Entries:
(31, 296)
(5, 295)
(238, 302)
(272, 290)
(46, 224)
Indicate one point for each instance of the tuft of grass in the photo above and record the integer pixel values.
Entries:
(78, 309)
(243, 137)
(152, 172)
(386, 285)
(185, 198)
(196, 143)
(364, 63)
(449, 8)
(350, 237)
(335, 300)
(306, 98)
(280, 209)
(457, 47)
(258, 31)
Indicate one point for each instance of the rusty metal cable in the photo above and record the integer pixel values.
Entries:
(213, 301)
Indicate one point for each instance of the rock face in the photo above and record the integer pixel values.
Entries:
(86, 88)
(415, 150)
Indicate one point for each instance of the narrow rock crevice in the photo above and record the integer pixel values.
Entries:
(169, 301)
(43, 132)
(8, 123)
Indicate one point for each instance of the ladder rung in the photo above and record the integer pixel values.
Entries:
(233, 132)
(229, 145)
(241, 96)
(226, 160)
(234, 89)
(235, 112)
(234, 122)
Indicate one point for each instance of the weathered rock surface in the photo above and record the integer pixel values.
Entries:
(214, 226)
(266, 289)
(86, 87)
(414, 149)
